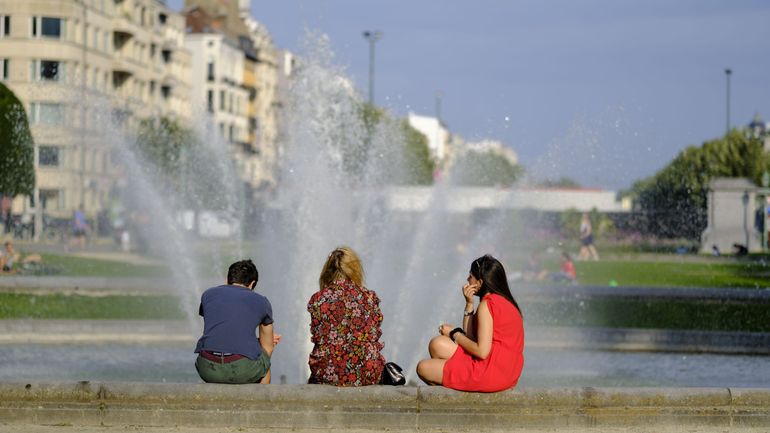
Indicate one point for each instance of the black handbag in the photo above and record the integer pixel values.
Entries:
(392, 374)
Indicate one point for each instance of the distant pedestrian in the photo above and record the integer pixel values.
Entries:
(5, 213)
(587, 248)
(567, 272)
(79, 227)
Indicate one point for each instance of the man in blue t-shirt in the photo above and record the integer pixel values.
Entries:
(229, 350)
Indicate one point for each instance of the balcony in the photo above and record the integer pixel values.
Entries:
(121, 65)
(123, 26)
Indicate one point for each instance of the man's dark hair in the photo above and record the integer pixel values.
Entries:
(242, 272)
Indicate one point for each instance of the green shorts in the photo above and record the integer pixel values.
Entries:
(244, 370)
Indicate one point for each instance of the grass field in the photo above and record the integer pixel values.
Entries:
(662, 273)
(651, 314)
(608, 312)
(88, 267)
(25, 306)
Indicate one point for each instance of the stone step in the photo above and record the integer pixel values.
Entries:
(117, 404)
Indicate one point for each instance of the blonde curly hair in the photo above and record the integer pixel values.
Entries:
(342, 264)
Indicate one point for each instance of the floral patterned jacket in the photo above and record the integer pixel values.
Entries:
(345, 326)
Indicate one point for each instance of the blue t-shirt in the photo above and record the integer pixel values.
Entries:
(231, 315)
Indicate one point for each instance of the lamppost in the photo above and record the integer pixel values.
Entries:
(439, 97)
(745, 200)
(728, 72)
(372, 37)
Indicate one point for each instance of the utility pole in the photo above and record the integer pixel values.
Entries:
(439, 97)
(372, 37)
(728, 72)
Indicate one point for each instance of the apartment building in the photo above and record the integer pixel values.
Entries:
(83, 68)
(265, 105)
(219, 91)
(256, 154)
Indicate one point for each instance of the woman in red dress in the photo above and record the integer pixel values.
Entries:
(487, 353)
(345, 321)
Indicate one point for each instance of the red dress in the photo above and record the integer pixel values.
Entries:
(345, 326)
(502, 368)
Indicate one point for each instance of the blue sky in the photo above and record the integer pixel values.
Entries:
(603, 91)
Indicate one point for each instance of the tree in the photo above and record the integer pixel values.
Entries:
(562, 182)
(163, 142)
(485, 168)
(410, 160)
(418, 163)
(17, 151)
(674, 200)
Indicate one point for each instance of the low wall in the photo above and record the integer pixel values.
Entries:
(377, 407)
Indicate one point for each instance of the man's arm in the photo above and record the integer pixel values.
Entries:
(266, 338)
(267, 343)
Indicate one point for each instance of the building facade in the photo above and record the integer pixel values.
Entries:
(232, 21)
(83, 68)
(434, 130)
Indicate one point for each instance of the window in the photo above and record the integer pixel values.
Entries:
(210, 101)
(51, 199)
(50, 70)
(222, 100)
(5, 25)
(46, 113)
(47, 27)
(3, 69)
(165, 91)
(47, 70)
(48, 156)
(210, 75)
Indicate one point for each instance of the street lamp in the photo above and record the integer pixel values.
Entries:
(728, 72)
(372, 37)
(745, 200)
(439, 97)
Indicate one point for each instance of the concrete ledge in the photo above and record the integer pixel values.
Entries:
(377, 407)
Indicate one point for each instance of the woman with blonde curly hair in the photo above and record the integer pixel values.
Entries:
(345, 321)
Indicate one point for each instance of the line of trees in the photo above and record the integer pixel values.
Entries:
(674, 200)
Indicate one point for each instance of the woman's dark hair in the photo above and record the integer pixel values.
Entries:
(242, 272)
(492, 274)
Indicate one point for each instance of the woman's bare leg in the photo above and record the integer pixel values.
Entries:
(431, 371)
(441, 347)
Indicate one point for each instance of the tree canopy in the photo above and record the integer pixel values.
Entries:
(485, 168)
(17, 152)
(411, 162)
(674, 199)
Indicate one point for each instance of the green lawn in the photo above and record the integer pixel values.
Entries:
(672, 274)
(608, 312)
(655, 314)
(668, 271)
(65, 265)
(25, 306)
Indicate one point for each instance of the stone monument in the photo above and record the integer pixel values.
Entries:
(731, 216)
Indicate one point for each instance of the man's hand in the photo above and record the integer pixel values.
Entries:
(276, 339)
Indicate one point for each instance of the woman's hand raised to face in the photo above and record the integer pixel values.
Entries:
(468, 291)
